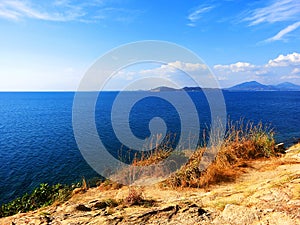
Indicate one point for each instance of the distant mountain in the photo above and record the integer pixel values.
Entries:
(247, 86)
(255, 86)
(163, 88)
(251, 86)
(288, 86)
(192, 89)
(187, 89)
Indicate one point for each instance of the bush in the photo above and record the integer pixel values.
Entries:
(42, 196)
(134, 197)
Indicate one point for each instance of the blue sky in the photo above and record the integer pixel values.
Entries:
(49, 45)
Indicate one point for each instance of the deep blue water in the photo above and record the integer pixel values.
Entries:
(37, 143)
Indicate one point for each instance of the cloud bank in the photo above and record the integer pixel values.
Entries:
(283, 67)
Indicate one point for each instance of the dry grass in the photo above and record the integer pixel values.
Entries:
(84, 185)
(135, 197)
(109, 185)
(152, 164)
(242, 143)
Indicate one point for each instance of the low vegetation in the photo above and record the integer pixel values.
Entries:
(135, 197)
(242, 142)
(42, 196)
(109, 185)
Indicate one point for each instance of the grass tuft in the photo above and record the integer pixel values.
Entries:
(109, 185)
(242, 142)
(135, 197)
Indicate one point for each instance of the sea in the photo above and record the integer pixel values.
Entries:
(38, 145)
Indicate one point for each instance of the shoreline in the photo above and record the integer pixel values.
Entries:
(94, 180)
(266, 191)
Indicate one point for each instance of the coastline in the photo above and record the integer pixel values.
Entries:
(36, 123)
(268, 190)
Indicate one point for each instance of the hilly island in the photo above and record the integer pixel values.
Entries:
(246, 86)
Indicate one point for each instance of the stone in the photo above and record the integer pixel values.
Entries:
(235, 214)
(82, 207)
(280, 148)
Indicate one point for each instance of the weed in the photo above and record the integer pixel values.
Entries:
(135, 197)
(84, 185)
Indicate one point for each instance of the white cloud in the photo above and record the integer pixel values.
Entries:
(276, 11)
(289, 60)
(279, 10)
(172, 68)
(283, 32)
(296, 71)
(188, 67)
(167, 70)
(63, 11)
(181, 73)
(236, 67)
(289, 77)
(284, 67)
(197, 14)
(17, 10)
(285, 60)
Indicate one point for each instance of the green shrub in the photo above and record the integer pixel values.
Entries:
(42, 196)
